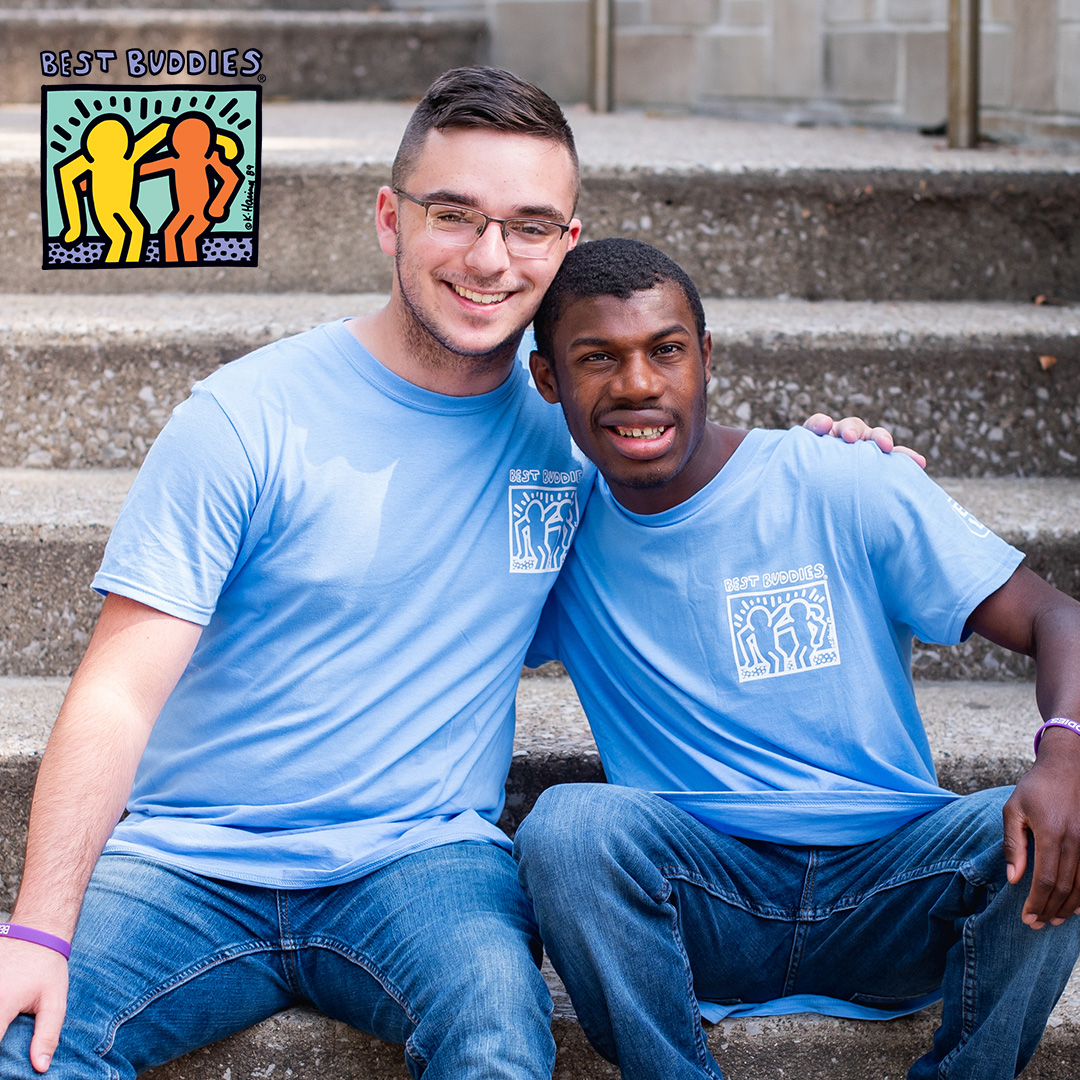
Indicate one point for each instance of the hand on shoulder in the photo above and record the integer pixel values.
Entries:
(853, 429)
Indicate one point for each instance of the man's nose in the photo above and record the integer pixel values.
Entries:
(487, 254)
(638, 379)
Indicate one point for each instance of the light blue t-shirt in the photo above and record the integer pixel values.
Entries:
(746, 654)
(369, 560)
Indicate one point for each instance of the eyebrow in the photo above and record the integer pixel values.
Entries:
(544, 211)
(668, 331)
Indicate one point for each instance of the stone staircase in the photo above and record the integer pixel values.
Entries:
(850, 271)
(306, 53)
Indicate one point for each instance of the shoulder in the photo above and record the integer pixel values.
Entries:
(838, 459)
(294, 358)
(811, 462)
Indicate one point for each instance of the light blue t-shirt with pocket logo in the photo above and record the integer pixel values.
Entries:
(369, 560)
(748, 653)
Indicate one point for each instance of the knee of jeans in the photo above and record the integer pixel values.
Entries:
(583, 838)
(490, 1018)
(562, 825)
(71, 1061)
(498, 986)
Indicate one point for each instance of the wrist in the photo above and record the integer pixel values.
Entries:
(19, 932)
(1063, 722)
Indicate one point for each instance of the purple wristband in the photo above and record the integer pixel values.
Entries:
(1056, 721)
(38, 937)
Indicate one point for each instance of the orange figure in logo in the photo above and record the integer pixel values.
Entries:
(105, 171)
(199, 155)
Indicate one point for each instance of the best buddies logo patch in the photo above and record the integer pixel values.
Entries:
(150, 177)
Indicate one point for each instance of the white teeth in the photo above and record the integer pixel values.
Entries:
(641, 432)
(480, 298)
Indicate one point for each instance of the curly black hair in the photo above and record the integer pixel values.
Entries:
(613, 267)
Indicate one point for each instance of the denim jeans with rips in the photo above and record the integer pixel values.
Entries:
(438, 950)
(644, 910)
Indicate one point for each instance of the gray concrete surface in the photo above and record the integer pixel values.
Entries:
(89, 382)
(841, 62)
(750, 210)
(331, 55)
(54, 524)
(980, 389)
(359, 133)
(187, 5)
(305, 1045)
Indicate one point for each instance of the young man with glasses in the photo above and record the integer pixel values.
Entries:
(319, 595)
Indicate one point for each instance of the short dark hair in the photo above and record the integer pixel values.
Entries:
(482, 97)
(613, 267)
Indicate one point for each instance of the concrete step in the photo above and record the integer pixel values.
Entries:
(328, 55)
(552, 746)
(54, 524)
(89, 382)
(750, 210)
(305, 1045)
(981, 735)
(101, 6)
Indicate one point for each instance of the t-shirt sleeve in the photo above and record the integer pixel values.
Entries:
(934, 561)
(186, 517)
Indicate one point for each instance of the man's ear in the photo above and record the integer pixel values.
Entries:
(706, 353)
(543, 373)
(574, 235)
(386, 220)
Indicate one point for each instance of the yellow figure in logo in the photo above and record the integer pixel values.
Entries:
(105, 172)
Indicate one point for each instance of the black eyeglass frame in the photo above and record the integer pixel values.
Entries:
(488, 220)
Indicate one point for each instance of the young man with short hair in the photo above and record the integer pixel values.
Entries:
(314, 626)
(737, 615)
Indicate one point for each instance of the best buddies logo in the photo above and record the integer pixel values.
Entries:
(150, 176)
(153, 62)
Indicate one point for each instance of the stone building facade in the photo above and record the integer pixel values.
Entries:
(850, 61)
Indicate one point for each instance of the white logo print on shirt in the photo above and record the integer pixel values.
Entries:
(543, 519)
(781, 631)
(969, 519)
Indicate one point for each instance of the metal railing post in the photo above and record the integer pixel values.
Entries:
(963, 125)
(602, 55)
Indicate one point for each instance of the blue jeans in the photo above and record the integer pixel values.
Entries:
(438, 951)
(643, 909)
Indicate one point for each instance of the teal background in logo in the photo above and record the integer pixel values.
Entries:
(68, 113)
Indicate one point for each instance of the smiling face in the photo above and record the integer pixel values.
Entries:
(631, 377)
(475, 301)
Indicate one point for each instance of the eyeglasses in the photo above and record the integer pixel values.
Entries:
(527, 238)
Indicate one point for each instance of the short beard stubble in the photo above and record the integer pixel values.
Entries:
(434, 349)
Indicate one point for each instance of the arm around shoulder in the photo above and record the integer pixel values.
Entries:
(133, 661)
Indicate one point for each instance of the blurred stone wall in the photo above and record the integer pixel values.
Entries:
(861, 61)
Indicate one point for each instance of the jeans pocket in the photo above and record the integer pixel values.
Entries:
(887, 1001)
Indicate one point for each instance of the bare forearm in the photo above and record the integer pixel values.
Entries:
(1057, 661)
(85, 778)
(131, 665)
(1030, 616)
